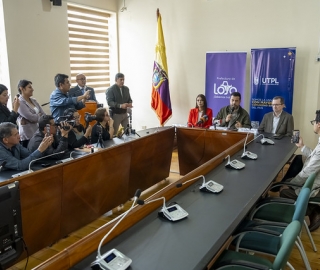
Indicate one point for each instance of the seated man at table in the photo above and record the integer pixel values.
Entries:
(60, 100)
(60, 143)
(14, 155)
(278, 121)
(234, 116)
(311, 165)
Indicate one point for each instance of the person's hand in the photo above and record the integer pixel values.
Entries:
(87, 94)
(16, 104)
(88, 131)
(129, 105)
(228, 118)
(238, 125)
(46, 142)
(64, 128)
(300, 144)
(110, 122)
(124, 105)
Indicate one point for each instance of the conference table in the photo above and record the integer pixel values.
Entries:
(192, 243)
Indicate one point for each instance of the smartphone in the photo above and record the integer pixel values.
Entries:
(295, 136)
(48, 133)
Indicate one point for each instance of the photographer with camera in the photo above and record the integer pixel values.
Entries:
(48, 128)
(78, 136)
(104, 126)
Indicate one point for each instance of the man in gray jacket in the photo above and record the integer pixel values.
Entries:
(310, 166)
(119, 99)
(278, 121)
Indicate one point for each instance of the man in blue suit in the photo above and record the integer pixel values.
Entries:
(81, 88)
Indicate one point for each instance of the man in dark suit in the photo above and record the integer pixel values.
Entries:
(278, 121)
(81, 88)
(119, 99)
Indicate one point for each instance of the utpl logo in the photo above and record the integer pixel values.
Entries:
(224, 89)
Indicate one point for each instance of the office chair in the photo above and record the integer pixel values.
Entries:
(280, 217)
(238, 260)
(248, 237)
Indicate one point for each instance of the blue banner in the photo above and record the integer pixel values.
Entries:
(225, 73)
(272, 74)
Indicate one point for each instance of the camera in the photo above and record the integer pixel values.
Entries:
(68, 119)
(89, 117)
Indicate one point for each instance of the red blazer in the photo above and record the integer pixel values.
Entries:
(193, 118)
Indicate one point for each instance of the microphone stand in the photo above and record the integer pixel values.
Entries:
(100, 141)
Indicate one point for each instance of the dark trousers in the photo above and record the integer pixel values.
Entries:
(295, 167)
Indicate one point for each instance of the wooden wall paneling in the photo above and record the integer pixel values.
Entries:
(191, 142)
(94, 185)
(151, 159)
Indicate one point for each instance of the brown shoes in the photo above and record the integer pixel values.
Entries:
(314, 219)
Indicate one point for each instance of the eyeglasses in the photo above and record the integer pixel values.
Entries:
(276, 105)
(81, 79)
(313, 121)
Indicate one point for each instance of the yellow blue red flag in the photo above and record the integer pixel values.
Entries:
(161, 102)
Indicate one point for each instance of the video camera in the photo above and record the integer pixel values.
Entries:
(89, 117)
(68, 119)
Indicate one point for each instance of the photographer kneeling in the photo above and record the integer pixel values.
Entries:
(103, 127)
(60, 143)
(78, 136)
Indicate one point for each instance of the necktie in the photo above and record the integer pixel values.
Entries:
(121, 92)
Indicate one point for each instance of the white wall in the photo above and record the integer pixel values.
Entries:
(193, 27)
(37, 41)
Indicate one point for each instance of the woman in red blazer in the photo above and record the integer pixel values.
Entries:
(200, 116)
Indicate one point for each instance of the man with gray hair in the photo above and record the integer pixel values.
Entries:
(278, 121)
(13, 153)
(81, 88)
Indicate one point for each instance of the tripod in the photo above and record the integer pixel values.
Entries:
(100, 141)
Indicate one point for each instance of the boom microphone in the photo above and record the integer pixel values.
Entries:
(173, 212)
(114, 257)
(31, 162)
(210, 186)
(247, 154)
(203, 119)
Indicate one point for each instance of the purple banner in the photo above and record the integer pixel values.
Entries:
(272, 74)
(225, 73)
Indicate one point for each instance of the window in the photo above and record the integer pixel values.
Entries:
(90, 46)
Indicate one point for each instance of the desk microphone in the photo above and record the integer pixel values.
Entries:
(210, 186)
(234, 164)
(173, 212)
(114, 259)
(31, 162)
(266, 141)
(66, 159)
(247, 154)
(203, 119)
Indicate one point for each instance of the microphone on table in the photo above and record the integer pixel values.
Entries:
(266, 141)
(66, 159)
(247, 154)
(234, 164)
(216, 122)
(114, 259)
(173, 212)
(32, 161)
(203, 119)
(210, 186)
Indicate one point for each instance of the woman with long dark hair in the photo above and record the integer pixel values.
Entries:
(103, 127)
(201, 115)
